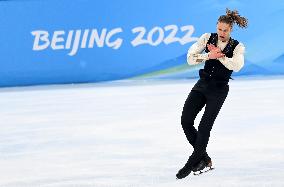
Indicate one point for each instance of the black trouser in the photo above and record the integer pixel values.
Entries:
(203, 93)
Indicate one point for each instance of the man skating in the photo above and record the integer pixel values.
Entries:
(222, 56)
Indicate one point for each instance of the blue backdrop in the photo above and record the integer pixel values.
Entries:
(63, 41)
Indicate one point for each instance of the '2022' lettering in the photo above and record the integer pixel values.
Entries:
(143, 38)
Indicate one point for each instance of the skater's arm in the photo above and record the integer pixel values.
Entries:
(237, 61)
(194, 54)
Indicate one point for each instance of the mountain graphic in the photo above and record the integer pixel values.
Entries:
(279, 60)
(272, 67)
(178, 68)
(251, 68)
(175, 62)
(171, 69)
(276, 66)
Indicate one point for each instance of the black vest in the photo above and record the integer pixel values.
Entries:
(213, 68)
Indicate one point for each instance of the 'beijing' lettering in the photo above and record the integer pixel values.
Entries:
(73, 40)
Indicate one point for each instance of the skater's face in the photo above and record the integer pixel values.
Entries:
(224, 31)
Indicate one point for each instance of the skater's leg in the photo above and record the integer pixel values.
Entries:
(193, 104)
(213, 106)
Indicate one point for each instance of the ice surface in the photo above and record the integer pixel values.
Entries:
(128, 134)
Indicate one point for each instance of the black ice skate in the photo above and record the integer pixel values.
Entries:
(184, 172)
(202, 167)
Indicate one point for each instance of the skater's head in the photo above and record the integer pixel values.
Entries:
(226, 22)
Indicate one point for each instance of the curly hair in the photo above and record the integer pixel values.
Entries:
(233, 17)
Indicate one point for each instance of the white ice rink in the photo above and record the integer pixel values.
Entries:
(128, 134)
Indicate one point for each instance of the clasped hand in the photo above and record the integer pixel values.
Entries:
(215, 52)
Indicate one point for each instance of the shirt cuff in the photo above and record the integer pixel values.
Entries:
(201, 57)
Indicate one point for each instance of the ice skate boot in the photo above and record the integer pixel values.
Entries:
(203, 166)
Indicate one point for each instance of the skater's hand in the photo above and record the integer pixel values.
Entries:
(213, 48)
(215, 52)
(215, 55)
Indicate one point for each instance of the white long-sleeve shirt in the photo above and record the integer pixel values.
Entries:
(195, 54)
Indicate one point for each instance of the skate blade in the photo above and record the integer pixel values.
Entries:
(205, 170)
